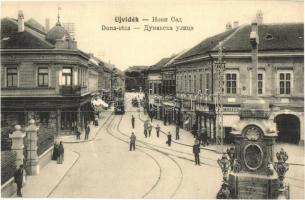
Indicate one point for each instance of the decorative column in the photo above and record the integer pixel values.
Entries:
(17, 144)
(32, 166)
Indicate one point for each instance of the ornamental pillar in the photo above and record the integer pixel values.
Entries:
(17, 144)
(32, 166)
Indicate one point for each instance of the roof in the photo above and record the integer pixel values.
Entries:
(28, 39)
(57, 32)
(160, 64)
(282, 36)
(35, 25)
(271, 37)
(207, 44)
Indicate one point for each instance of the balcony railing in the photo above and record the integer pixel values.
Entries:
(251, 113)
(66, 90)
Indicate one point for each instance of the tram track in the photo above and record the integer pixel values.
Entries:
(177, 151)
(147, 154)
(148, 146)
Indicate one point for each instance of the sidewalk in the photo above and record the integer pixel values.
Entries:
(295, 152)
(186, 137)
(49, 177)
(93, 130)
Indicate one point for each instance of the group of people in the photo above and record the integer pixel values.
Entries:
(58, 152)
(148, 130)
(87, 132)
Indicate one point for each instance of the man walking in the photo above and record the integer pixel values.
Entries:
(149, 129)
(87, 131)
(132, 142)
(77, 133)
(145, 128)
(196, 151)
(18, 176)
(132, 121)
(157, 130)
(177, 133)
(169, 139)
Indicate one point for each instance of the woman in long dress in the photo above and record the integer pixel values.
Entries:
(55, 151)
(61, 150)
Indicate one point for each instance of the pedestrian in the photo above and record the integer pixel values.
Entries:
(165, 119)
(169, 139)
(132, 121)
(61, 152)
(177, 133)
(196, 151)
(87, 131)
(145, 128)
(18, 178)
(157, 130)
(55, 151)
(77, 133)
(132, 142)
(149, 129)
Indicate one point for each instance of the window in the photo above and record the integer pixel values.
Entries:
(260, 82)
(190, 83)
(43, 77)
(185, 83)
(150, 88)
(231, 83)
(195, 83)
(67, 76)
(207, 83)
(12, 77)
(155, 88)
(285, 82)
(200, 82)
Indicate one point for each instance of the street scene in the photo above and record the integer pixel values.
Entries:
(90, 108)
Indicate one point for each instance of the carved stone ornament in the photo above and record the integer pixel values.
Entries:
(236, 166)
(252, 133)
(281, 167)
(253, 156)
(224, 165)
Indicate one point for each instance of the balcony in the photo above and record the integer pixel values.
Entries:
(252, 113)
(68, 90)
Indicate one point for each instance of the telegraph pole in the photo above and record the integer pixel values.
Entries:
(220, 66)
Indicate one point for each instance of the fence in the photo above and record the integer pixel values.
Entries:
(45, 139)
(8, 165)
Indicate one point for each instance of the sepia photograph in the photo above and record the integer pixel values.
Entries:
(155, 99)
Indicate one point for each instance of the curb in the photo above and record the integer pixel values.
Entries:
(57, 184)
(212, 150)
(96, 132)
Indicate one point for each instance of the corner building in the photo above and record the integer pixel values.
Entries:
(44, 76)
(280, 78)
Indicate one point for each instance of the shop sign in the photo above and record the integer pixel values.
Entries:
(231, 109)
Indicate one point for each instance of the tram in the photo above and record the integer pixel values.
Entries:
(119, 102)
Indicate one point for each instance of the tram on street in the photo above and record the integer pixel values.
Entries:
(119, 102)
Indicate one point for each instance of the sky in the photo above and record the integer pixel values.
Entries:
(139, 47)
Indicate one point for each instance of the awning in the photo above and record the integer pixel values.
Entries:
(99, 102)
(230, 120)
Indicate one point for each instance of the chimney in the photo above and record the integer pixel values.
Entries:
(20, 21)
(228, 26)
(47, 25)
(259, 17)
(254, 41)
(235, 24)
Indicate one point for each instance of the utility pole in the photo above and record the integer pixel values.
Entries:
(220, 66)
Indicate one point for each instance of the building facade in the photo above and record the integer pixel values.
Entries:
(44, 77)
(279, 78)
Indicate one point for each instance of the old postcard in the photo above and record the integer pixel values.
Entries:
(182, 99)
